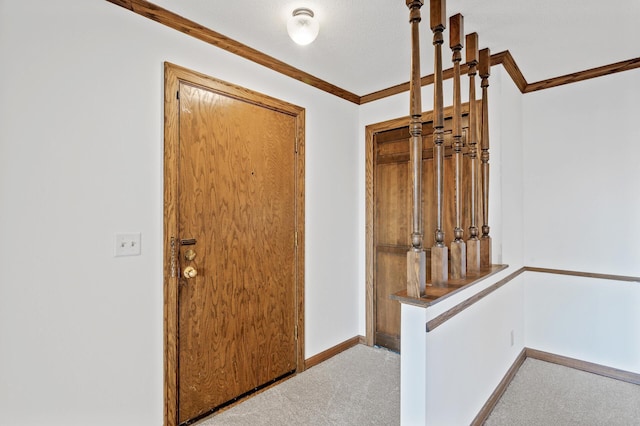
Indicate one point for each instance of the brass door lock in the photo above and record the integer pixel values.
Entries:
(190, 254)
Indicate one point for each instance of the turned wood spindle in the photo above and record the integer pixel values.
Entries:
(439, 252)
(473, 243)
(484, 69)
(458, 246)
(416, 257)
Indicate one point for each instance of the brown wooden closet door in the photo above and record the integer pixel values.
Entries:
(392, 229)
(392, 217)
(236, 195)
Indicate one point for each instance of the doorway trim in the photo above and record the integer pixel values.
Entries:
(173, 75)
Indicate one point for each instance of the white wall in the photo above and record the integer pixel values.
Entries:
(81, 149)
(582, 176)
(589, 319)
(582, 204)
(468, 355)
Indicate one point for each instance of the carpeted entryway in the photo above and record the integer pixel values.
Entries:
(542, 393)
(360, 386)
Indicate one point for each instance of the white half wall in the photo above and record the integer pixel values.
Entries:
(81, 151)
(590, 319)
(469, 355)
(464, 359)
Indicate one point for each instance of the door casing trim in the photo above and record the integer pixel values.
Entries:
(173, 75)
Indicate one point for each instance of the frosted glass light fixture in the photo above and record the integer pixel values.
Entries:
(302, 27)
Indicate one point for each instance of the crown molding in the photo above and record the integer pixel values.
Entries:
(583, 75)
(193, 29)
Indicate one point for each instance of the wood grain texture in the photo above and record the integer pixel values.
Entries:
(124, 3)
(415, 138)
(301, 235)
(416, 261)
(236, 198)
(473, 255)
(584, 274)
(369, 241)
(484, 70)
(370, 155)
(416, 281)
(584, 75)
(496, 59)
(508, 62)
(589, 367)
(439, 251)
(263, 174)
(436, 295)
(458, 260)
(387, 312)
(388, 207)
(458, 256)
(191, 28)
(473, 244)
(485, 251)
(332, 351)
(386, 159)
(456, 32)
(439, 266)
(170, 284)
(488, 406)
(444, 317)
(506, 59)
(484, 62)
(438, 14)
(472, 52)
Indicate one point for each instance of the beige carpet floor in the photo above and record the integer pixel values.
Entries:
(360, 386)
(544, 394)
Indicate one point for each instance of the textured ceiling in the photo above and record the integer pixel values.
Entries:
(364, 45)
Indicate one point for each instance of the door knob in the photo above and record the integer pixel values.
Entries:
(190, 272)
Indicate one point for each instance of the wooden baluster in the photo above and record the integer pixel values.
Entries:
(473, 243)
(458, 247)
(416, 257)
(484, 69)
(439, 252)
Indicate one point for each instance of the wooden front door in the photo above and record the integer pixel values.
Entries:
(235, 252)
(391, 205)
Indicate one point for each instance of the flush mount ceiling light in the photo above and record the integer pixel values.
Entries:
(302, 27)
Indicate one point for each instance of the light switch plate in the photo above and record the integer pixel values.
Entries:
(128, 244)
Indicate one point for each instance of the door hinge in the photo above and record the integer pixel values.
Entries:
(296, 145)
(295, 333)
(296, 239)
(178, 95)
